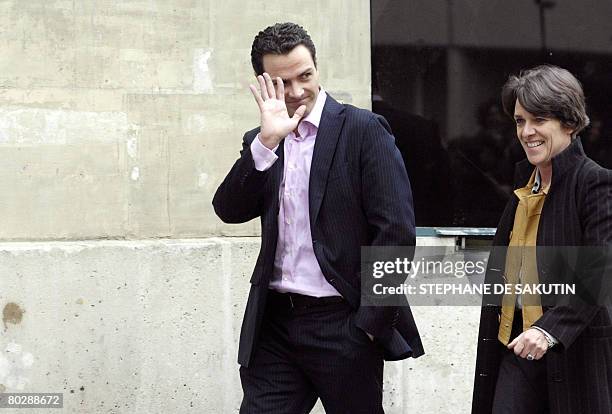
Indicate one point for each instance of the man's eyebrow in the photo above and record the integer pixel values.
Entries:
(304, 72)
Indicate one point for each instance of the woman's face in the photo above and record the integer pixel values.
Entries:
(542, 138)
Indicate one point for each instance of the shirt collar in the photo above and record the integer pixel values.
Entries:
(534, 186)
(537, 183)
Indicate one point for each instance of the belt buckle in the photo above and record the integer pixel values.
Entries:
(291, 301)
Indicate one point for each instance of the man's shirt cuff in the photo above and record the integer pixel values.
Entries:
(263, 157)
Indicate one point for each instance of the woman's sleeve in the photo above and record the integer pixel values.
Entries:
(593, 271)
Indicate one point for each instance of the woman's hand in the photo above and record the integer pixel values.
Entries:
(532, 343)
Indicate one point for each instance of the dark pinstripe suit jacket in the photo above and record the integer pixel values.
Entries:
(359, 195)
(577, 212)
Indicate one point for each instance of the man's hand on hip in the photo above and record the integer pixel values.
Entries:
(275, 121)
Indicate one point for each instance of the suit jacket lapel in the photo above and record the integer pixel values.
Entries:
(328, 133)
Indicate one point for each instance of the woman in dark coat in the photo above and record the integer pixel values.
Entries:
(555, 358)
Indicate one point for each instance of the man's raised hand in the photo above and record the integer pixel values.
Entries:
(275, 121)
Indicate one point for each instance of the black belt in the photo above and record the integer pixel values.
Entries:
(297, 301)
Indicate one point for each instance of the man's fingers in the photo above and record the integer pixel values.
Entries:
(269, 86)
(299, 113)
(257, 96)
(263, 88)
(280, 89)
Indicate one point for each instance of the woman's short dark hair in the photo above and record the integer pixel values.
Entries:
(279, 39)
(548, 91)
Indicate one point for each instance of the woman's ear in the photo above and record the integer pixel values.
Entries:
(569, 130)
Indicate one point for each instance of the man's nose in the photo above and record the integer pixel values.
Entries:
(295, 90)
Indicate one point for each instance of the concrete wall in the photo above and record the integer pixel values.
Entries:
(118, 119)
(152, 327)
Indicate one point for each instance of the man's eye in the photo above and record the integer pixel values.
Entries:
(306, 76)
(519, 121)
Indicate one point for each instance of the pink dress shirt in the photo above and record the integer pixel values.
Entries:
(295, 266)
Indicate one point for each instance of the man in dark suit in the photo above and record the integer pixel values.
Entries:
(325, 180)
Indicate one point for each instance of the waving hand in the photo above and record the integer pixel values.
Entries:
(276, 123)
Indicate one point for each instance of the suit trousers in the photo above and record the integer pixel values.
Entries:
(310, 352)
(522, 387)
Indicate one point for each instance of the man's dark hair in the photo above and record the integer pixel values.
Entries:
(279, 39)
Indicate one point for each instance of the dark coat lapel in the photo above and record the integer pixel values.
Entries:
(328, 133)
